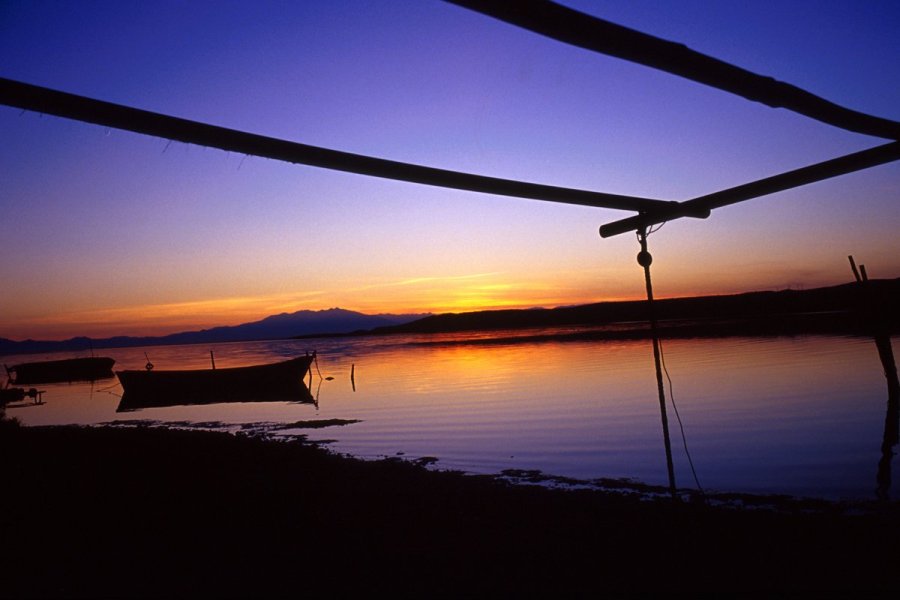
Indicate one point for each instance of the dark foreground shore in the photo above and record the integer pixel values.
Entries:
(156, 512)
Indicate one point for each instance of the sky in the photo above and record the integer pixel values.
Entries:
(107, 232)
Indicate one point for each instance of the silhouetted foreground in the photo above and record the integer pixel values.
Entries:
(156, 512)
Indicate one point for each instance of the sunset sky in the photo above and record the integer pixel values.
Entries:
(106, 232)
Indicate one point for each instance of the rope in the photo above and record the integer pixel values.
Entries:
(645, 259)
(316, 360)
(116, 384)
(657, 228)
(678, 416)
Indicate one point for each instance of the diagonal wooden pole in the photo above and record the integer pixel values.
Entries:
(585, 31)
(835, 167)
(644, 259)
(108, 114)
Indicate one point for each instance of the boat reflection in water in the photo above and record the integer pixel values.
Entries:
(275, 382)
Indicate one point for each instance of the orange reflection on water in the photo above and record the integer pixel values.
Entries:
(792, 415)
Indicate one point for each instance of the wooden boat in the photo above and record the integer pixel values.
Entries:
(281, 381)
(54, 371)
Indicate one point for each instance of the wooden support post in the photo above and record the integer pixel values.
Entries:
(644, 259)
(875, 324)
(855, 270)
(891, 418)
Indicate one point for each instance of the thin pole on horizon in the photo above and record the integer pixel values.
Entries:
(644, 259)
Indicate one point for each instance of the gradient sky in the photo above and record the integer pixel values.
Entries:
(108, 232)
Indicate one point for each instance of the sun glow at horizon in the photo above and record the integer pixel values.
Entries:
(434, 295)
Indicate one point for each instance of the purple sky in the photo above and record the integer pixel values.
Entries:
(108, 232)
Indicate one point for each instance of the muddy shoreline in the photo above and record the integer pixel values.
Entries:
(151, 511)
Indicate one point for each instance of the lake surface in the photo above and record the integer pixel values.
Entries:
(802, 415)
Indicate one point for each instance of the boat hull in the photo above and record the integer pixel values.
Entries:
(258, 383)
(56, 371)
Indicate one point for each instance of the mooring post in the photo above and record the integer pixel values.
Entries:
(644, 259)
(873, 320)
(854, 269)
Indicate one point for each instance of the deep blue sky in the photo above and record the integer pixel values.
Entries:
(112, 232)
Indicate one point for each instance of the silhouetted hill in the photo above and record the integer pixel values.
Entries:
(842, 308)
(304, 322)
(284, 325)
(837, 304)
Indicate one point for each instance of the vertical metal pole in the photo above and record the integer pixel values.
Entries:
(644, 259)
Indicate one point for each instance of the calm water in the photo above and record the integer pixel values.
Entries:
(796, 415)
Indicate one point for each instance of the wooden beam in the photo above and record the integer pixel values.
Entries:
(71, 106)
(579, 29)
(830, 168)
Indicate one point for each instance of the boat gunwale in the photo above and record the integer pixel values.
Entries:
(283, 363)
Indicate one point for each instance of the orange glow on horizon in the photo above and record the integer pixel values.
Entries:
(434, 295)
(412, 295)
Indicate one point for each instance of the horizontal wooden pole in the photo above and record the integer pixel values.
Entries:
(579, 29)
(71, 106)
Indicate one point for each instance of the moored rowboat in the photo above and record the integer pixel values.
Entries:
(54, 371)
(269, 382)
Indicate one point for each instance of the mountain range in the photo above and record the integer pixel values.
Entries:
(284, 325)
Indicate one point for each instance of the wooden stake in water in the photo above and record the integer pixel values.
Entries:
(874, 321)
(212, 359)
(644, 259)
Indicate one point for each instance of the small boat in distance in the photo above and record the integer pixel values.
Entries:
(281, 381)
(10, 395)
(57, 371)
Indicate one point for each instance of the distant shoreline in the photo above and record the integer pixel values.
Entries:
(844, 309)
(779, 325)
(836, 310)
